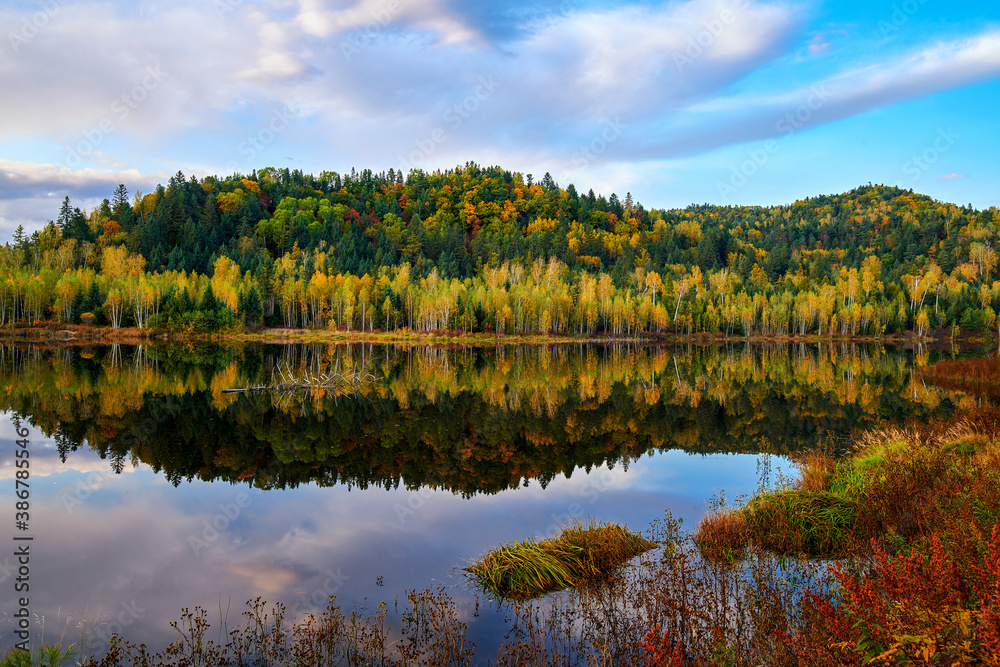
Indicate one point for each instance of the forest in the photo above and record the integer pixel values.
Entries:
(479, 249)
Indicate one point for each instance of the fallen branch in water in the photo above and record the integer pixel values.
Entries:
(284, 379)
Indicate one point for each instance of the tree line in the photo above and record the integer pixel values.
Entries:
(486, 249)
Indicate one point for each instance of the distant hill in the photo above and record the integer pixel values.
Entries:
(894, 251)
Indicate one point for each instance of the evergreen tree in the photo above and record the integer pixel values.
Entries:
(250, 308)
(209, 303)
(65, 217)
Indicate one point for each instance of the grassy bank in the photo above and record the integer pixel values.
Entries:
(911, 518)
(898, 487)
(69, 333)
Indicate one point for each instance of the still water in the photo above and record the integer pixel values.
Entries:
(153, 489)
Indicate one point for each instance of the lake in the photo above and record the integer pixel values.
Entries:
(153, 489)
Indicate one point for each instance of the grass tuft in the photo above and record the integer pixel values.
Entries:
(721, 536)
(816, 469)
(801, 522)
(580, 554)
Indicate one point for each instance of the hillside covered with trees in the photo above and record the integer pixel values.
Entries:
(486, 249)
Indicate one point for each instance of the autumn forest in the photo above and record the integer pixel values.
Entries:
(489, 250)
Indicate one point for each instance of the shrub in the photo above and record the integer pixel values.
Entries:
(915, 608)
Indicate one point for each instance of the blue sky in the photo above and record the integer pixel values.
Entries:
(720, 101)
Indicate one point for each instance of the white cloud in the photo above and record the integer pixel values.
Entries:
(46, 179)
(374, 80)
(145, 75)
(323, 18)
(854, 91)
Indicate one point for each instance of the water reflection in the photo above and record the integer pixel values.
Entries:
(132, 549)
(296, 496)
(470, 421)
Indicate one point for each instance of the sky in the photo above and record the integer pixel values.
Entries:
(717, 101)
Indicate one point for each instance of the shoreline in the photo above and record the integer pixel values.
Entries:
(81, 334)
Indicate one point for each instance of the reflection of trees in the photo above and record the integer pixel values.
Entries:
(473, 421)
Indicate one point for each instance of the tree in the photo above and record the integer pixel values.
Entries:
(65, 217)
(119, 200)
(209, 303)
(250, 308)
(20, 239)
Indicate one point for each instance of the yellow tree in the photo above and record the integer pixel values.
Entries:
(983, 255)
(871, 270)
(66, 289)
(225, 281)
(605, 292)
(719, 282)
(114, 306)
(683, 285)
(653, 284)
(317, 291)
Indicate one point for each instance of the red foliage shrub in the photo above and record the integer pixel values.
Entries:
(658, 651)
(916, 608)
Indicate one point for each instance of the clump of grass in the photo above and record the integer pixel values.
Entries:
(721, 536)
(580, 554)
(816, 469)
(526, 569)
(44, 656)
(803, 522)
